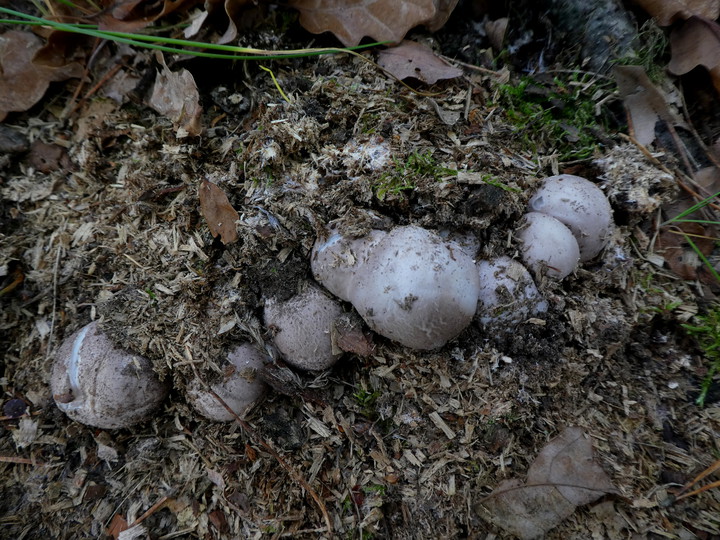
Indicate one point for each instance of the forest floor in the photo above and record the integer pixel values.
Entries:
(99, 213)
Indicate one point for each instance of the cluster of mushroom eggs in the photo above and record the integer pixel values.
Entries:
(408, 284)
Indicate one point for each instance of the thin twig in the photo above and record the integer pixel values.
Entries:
(20, 460)
(707, 472)
(295, 475)
(51, 334)
(109, 75)
(150, 511)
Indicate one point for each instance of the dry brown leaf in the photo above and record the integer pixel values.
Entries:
(347, 335)
(218, 212)
(381, 20)
(696, 43)
(176, 96)
(444, 9)
(496, 32)
(117, 525)
(46, 157)
(644, 103)
(217, 518)
(131, 15)
(680, 257)
(563, 476)
(665, 12)
(22, 80)
(412, 59)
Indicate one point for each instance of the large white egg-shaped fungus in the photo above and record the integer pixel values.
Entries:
(508, 295)
(408, 284)
(548, 246)
(581, 206)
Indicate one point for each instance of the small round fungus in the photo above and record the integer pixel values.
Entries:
(99, 384)
(581, 206)
(548, 246)
(508, 295)
(303, 328)
(240, 389)
(409, 284)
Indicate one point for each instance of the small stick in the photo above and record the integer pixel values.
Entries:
(150, 511)
(109, 75)
(19, 460)
(299, 479)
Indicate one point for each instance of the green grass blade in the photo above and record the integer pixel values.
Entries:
(707, 264)
(693, 208)
(173, 45)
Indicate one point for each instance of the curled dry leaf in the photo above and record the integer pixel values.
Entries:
(679, 255)
(412, 59)
(131, 15)
(563, 476)
(23, 81)
(644, 103)
(176, 96)
(218, 212)
(235, 10)
(382, 20)
(347, 335)
(665, 12)
(496, 32)
(696, 43)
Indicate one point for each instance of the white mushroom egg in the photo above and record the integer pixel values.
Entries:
(548, 246)
(581, 206)
(410, 286)
(508, 295)
(99, 384)
(241, 387)
(303, 328)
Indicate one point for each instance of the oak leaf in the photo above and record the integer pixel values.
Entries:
(412, 59)
(644, 103)
(564, 476)
(696, 43)
(23, 81)
(665, 12)
(381, 20)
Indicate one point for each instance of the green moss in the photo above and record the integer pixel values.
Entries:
(651, 51)
(405, 175)
(558, 115)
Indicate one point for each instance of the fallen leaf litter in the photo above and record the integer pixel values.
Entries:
(422, 435)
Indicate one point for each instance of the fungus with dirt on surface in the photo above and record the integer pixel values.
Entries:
(99, 384)
(581, 206)
(241, 388)
(408, 284)
(508, 295)
(302, 328)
